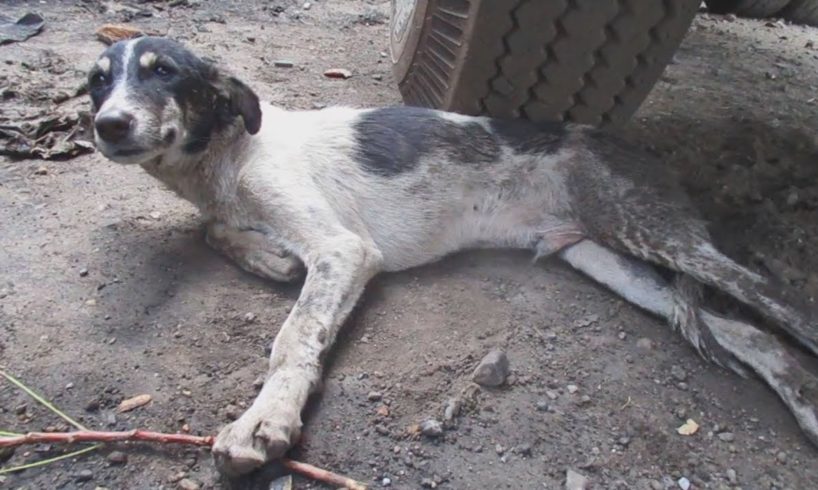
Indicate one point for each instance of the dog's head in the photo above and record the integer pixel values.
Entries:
(153, 97)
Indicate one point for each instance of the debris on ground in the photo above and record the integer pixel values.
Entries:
(338, 73)
(133, 403)
(15, 31)
(688, 428)
(49, 137)
(575, 481)
(111, 33)
(492, 370)
(431, 428)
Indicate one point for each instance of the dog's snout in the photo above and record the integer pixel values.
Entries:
(113, 126)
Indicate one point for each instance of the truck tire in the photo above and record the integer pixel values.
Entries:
(802, 12)
(588, 61)
(759, 9)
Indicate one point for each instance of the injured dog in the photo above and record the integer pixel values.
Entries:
(347, 193)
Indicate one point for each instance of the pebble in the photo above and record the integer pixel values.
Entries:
(492, 370)
(374, 396)
(377, 76)
(644, 343)
(117, 457)
(428, 483)
(572, 389)
(283, 64)
(431, 428)
(542, 406)
(386, 482)
(731, 476)
(452, 409)
(683, 483)
(85, 475)
(575, 481)
(83, 272)
(781, 457)
(727, 437)
(249, 317)
(678, 373)
(188, 484)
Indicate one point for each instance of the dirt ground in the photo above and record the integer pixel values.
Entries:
(107, 289)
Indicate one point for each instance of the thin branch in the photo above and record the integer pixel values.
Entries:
(49, 460)
(318, 474)
(304, 469)
(41, 400)
(102, 436)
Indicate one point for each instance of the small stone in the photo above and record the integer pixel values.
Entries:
(622, 335)
(21, 409)
(499, 449)
(431, 428)
(117, 457)
(678, 373)
(730, 17)
(84, 475)
(572, 389)
(428, 483)
(374, 396)
(781, 457)
(41, 171)
(524, 449)
(542, 406)
(575, 481)
(656, 485)
(492, 370)
(83, 272)
(377, 76)
(307, 6)
(155, 215)
(231, 412)
(452, 409)
(340, 73)
(731, 476)
(188, 484)
(386, 482)
(283, 64)
(249, 317)
(727, 437)
(683, 483)
(644, 343)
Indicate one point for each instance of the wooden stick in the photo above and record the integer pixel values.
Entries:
(304, 469)
(318, 474)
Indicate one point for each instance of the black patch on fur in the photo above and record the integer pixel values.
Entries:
(392, 140)
(527, 137)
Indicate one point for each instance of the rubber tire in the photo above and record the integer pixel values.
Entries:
(802, 12)
(589, 61)
(759, 9)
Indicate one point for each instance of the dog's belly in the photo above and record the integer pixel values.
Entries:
(410, 230)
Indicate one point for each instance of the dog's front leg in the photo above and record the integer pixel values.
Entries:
(337, 272)
(254, 252)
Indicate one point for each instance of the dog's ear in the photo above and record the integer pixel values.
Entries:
(243, 102)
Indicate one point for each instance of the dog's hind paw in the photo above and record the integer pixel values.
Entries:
(254, 439)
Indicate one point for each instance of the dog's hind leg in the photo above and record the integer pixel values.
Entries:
(640, 284)
(629, 203)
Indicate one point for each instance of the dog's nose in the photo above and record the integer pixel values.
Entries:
(113, 126)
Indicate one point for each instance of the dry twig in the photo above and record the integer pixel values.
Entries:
(306, 470)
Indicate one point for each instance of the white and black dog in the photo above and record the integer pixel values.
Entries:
(346, 193)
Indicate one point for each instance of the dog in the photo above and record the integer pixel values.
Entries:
(339, 195)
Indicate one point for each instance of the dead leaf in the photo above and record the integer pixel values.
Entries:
(111, 33)
(338, 73)
(132, 403)
(688, 428)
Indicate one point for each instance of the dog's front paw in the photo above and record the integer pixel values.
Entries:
(258, 436)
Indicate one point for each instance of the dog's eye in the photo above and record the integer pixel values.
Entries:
(98, 79)
(162, 70)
